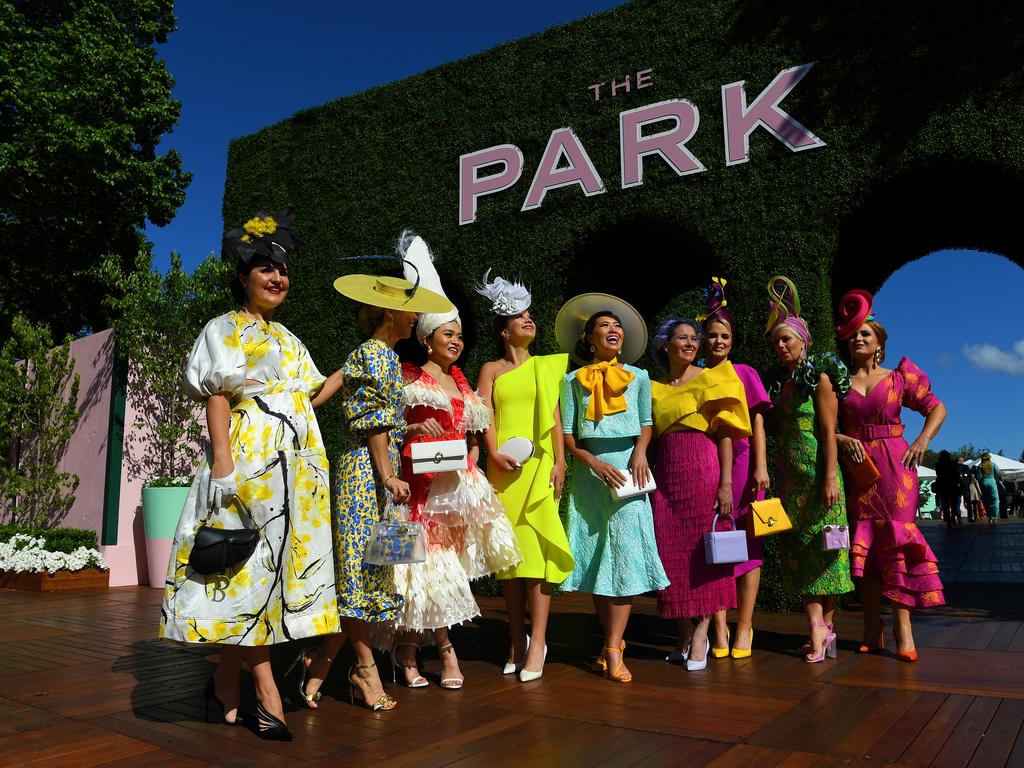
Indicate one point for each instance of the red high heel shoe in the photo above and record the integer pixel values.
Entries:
(877, 648)
(907, 656)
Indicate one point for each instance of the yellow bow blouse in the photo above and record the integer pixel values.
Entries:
(606, 382)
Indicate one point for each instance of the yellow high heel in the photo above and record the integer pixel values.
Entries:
(613, 674)
(721, 653)
(743, 653)
(600, 665)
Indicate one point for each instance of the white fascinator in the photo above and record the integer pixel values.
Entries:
(507, 298)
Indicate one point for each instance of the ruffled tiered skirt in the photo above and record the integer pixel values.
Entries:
(468, 536)
(898, 553)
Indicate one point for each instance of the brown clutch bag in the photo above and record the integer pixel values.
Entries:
(864, 474)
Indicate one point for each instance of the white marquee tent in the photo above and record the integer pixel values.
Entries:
(1008, 468)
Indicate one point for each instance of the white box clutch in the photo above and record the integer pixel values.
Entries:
(438, 456)
(630, 489)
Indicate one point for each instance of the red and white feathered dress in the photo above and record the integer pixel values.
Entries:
(468, 533)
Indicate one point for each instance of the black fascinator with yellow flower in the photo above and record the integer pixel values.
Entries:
(266, 235)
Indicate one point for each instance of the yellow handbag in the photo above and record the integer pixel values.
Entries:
(768, 517)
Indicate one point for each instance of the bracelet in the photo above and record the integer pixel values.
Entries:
(389, 477)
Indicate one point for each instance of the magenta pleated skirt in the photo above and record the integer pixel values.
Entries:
(687, 473)
(742, 495)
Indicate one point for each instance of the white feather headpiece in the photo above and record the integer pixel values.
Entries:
(412, 248)
(507, 299)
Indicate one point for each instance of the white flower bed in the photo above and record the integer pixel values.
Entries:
(27, 553)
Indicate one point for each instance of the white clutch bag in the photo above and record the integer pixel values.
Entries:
(519, 449)
(630, 489)
(438, 456)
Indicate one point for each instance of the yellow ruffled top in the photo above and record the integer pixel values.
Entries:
(711, 401)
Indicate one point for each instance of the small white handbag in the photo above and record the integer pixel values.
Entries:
(721, 547)
(629, 489)
(519, 449)
(438, 456)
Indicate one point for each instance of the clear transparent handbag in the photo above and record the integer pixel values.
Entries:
(396, 540)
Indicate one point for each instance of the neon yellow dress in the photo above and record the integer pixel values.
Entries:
(524, 406)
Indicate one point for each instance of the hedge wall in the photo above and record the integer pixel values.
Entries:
(919, 104)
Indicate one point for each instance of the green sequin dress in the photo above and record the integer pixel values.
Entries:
(800, 477)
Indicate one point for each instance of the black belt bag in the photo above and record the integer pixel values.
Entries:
(218, 550)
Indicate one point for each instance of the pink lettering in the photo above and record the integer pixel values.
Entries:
(644, 79)
(472, 186)
(616, 86)
(563, 143)
(596, 88)
(670, 144)
(741, 120)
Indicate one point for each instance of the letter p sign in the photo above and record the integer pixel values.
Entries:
(473, 186)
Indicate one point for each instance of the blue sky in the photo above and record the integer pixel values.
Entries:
(242, 67)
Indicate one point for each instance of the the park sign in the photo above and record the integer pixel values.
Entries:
(565, 161)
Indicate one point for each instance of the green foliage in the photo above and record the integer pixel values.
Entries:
(907, 131)
(57, 539)
(38, 414)
(84, 102)
(159, 318)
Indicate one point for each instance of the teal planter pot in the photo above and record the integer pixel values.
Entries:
(161, 508)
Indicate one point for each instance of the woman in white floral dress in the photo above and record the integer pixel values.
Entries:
(267, 471)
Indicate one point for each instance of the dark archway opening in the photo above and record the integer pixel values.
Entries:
(955, 205)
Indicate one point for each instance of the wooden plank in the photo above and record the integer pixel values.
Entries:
(937, 731)
(1000, 736)
(974, 673)
(906, 729)
(964, 741)
(1002, 638)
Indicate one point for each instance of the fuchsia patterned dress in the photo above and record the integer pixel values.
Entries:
(886, 540)
(742, 473)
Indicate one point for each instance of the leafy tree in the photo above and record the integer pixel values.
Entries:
(159, 318)
(84, 101)
(38, 414)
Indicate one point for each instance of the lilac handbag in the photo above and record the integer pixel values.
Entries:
(721, 547)
(835, 537)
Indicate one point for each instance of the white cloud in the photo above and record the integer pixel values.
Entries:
(991, 358)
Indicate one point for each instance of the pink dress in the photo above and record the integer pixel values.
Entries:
(886, 542)
(742, 473)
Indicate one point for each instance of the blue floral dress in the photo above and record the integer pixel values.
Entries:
(612, 540)
(371, 400)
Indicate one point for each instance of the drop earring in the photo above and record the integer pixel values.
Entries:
(878, 356)
(430, 350)
(590, 348)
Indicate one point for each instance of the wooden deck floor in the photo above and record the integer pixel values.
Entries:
(84, 682)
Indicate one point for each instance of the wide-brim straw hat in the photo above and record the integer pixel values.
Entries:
(576, 311)
(391, 293)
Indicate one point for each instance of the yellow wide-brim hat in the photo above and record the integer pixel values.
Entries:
(391, 293)
(576, 311)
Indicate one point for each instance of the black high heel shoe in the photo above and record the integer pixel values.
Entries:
(269, 727)
(210, 695)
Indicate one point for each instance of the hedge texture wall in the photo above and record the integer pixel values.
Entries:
(920, 105)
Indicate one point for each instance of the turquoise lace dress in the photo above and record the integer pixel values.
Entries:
(800, 478)
(612, 541)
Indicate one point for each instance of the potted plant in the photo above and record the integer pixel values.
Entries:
(158, 317)
(50, 560)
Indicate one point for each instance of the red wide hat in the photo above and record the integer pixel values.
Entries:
(854, 309)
